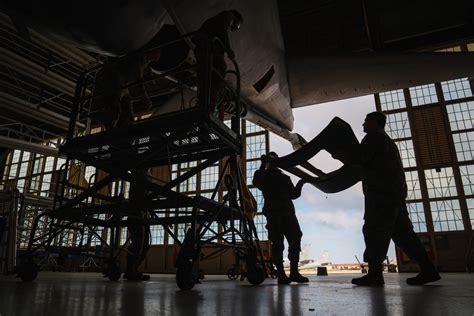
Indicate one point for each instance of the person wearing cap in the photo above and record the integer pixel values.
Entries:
(278, 192)
(216, 27)
(386, 216)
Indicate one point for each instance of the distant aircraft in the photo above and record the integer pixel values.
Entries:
(273, 81)
(307, 263)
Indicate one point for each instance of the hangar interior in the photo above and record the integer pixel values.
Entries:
(430, 122)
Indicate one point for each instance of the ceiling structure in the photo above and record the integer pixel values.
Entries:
(330, 26)
(37, 84)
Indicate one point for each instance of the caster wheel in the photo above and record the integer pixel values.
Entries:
(232, 273)
(185, 276)
(255, 275)
(28, 271)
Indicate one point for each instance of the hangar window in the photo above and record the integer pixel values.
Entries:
(252, 128)
(157, 235)
(260, 223)
(464, 145)
(440, 183)
(467, 176)
(446, 215)
(392, 100)
(398, 125)
(255, 146)
(470, 47)
(417, 216)
(257, 194)
(461, 115)
(413, 184)
(209, 178)
(407, 153)
(252, 166)
(262, 82)
(422, 95)
(456, 89)
(470, 206)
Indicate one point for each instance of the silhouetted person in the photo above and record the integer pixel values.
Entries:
(139, 233)
(278, 193)
(117, 73)
(218, 27)
(386, 215)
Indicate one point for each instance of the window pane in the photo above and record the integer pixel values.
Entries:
(440, 184)
(461, 115)
(417, 216)
(16, 156)
(470, 207)
(467, 176)
(392, 100)
(260, 222)
(456, 89)
(252, 128)
(446, 215)
(398, 125)
(463, 143)
(407, 153)
(209, 178)
(421, 95)
(38, 164)
(157, 235)
(257, 194)
(252, 166)
(413, 184)
(255, 146)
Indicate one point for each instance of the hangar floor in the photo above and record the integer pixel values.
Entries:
(89, 294)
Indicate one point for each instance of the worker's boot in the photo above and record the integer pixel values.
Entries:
(295, 275)
(373, 278)
(282, 278)
(427, 274)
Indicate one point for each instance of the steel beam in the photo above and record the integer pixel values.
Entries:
(14, 143)
(22, 107)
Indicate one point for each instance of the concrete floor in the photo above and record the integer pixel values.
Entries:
(88, 294)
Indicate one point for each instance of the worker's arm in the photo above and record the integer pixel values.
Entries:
(258, 178)
(365, 153)
(367, 149)
(295, 191)
(223, 30)
(259, 175)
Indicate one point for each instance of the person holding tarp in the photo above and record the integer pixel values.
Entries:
(386, 215)
(278, 193)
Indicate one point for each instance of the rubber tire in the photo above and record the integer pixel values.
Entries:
(113, 272)
(232, 274)
(28, 271)
(255, 275)
(184, 276)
